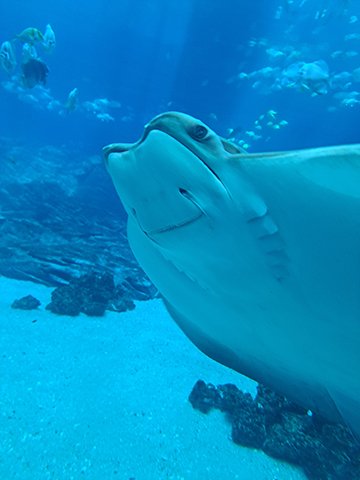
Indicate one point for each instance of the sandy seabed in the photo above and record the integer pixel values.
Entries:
(102, 398)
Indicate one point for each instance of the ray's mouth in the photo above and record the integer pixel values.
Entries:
(114, 148)
(174, 226)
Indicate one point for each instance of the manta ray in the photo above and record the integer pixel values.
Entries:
(256, 256)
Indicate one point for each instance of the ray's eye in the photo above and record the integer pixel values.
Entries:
(199, 132)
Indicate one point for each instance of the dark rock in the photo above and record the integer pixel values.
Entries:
(276, 444)
(275, 406)
(338, 437)
(121, 301)
(204, 397)
(92, 295)
(248, 427)
(283, 430)
(293, 422)
(94, 309)
(296, 441)
(65, 301)
(232, 399)
(275, 403)
(26, 303)
(346, 453)
(305, 450)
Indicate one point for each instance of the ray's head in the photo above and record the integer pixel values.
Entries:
(171, 177)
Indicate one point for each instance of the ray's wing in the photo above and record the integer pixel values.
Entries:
(312, 199)
(336, 168)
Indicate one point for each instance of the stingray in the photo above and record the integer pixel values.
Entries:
(257, 256)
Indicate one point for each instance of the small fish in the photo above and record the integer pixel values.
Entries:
(294, 53)
(54, 105)
(28, 52)
(351, 53)
(250, 134)
(30, 36)
(234, 132)
(12, 160)
(278, 13)
(352, 36)
(353, 19)
(283, 123)
(49, 40)
(291, 74)
(213, 116)
(269, 124)
(350, 102)
(105, 117)
(337, 54)
(341, 79)
(356, 74)
(271, 113)
(262, 42)
(101, 105)
(71, 103)
(274, 53)
(28, 98)
(346, 95)
(266, 72)
(276, 127)
(253, 135)
(7, 57)
(35, 72)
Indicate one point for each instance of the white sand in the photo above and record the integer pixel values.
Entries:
(100, 398)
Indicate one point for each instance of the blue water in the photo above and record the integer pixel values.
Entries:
(201, 57)
(145, 54)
